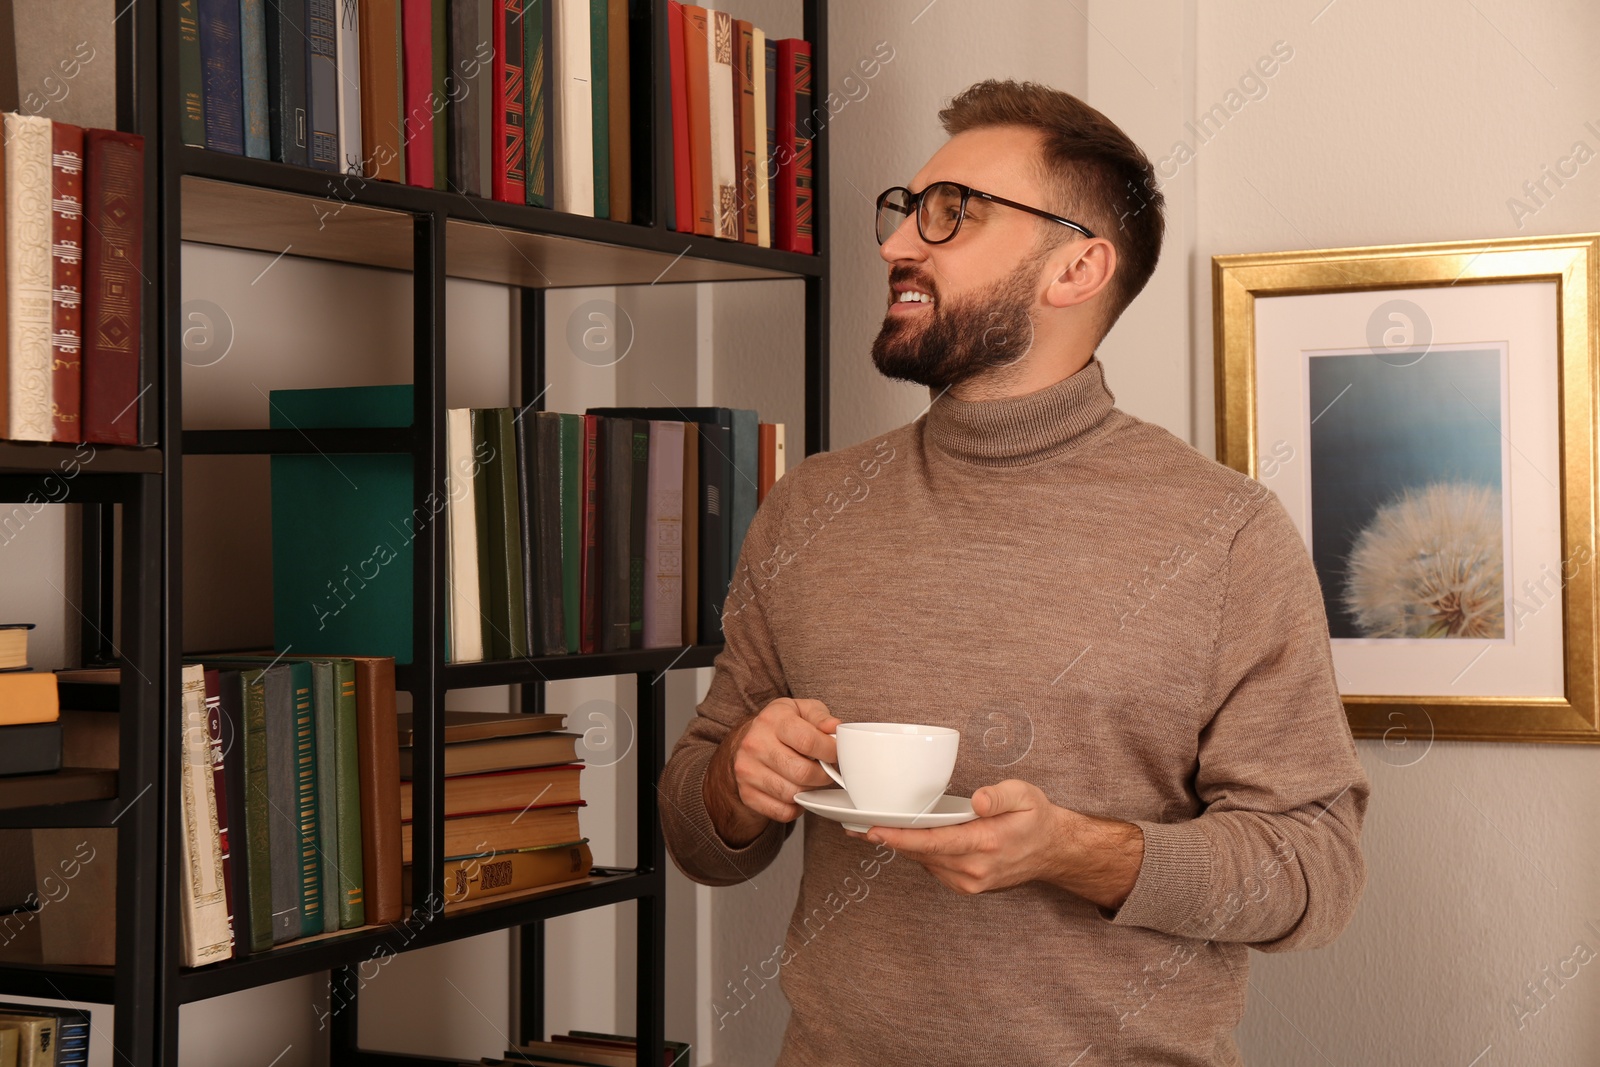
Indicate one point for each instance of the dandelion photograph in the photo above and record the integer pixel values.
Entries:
(1407, 471)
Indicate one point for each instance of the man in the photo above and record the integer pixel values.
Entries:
(1130, 637)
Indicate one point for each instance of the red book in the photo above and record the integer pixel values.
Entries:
(112, 285)
(509, 183)
(697, 78)
(66, 281)
(214, 731)
(417, 58)
(682, 180)
(791, 229)
(589, 538)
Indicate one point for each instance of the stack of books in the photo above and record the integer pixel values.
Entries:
(73, 217)
(32, 1034)
(511, 805)
(30, 709)
(742, 127)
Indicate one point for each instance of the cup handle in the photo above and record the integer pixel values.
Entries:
(833, 772)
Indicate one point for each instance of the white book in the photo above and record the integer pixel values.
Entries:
(28, 276)
(573, 147)
(725, 218)
(758, 75)
(663, 547)
(207, 935)
(347, 56)
(466, 615)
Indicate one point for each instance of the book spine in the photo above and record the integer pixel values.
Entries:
(508, 504)
(803, 131)
(438, 101)
(231, 714)
(309, 869)
(511, 161)
(536, 120)
(474, 877)
(663, 554)
(323, 88)
(417, 34)
(28, 312)
(724, 165)
(778, 459)
(466, 633)
(769, 172)
(325, 716)
(572, 151)
(253, 87)
(785, 197)
(638, 530)
(66, 281)
(616, 468)
(691, 533)
(113, 285)
(600, 105)
(348, 69)
(378, 738)
(462, 94)
(571, 491)
(259, 831)
(206, 937)
(543, 563)
(485, 487)
(682, 181)
(590, 538)
(761, 72)
(225, 837)
(192, 127)
(768, 440)
(382, 132)
(619, 125)
(697, 70)
(283, 807)
(223, 77)
(747, 469)
(347, 787)
(286, 81)
(746, 74)
(715, 447)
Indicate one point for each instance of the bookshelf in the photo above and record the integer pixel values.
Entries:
(130, 503)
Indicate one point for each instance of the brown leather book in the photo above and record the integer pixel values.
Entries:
(695, 44)
(66, 281)
(113, 286)
(382, 138)
(379, 751)
(619, 110)
(472, 835)
(507, 872)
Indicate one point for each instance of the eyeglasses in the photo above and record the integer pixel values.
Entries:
(940, 208)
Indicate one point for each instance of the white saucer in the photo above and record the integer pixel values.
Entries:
(835, 804)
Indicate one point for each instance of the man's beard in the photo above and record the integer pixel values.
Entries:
(961, 339)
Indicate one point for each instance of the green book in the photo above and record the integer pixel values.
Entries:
(288, 887)
(351, 874)
(571, 495)
(325, 715)
(535, 106)
(506, 537)
(343, 527)
(492, 604)
(305, 804)
(257, 822)
(193, 125)
(600, 95)
(441, 95)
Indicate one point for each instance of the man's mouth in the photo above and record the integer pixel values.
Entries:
(908, 301)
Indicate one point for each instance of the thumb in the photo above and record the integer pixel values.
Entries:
(997, 799)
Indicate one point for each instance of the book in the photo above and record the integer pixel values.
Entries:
(616, 534)
(347, 64)
(65, 786)
(30, 748)
(482, 725)
(716, 564)
(513, 790)
(348, 889)
(8, 1046)
(322, 92)
(66, 1045)
(282, 804)
(600, 104)
(13, 649)
(468, 79)
(214, 739)
(682, 200)
(497, 872)
(662, 623)
(763, 70)
(58, 895)
(382, 113)
(691, 533)
(66, 282)
(469, 835)
(725, 214)
(697, 80)
(501, 754)
(113, 287)
(36, 1034)
(27, 252)
(745, 76)
(466, 609)
(325, 731)
(539, 498)
(619, 129)
(254, 86)
(572, 150)
(792, 226)
(505, 539)
(28, 696)
(223, 78)
(589, 537)
(206, 935)
(241, 710)
(571, 493)
(287, 85)
(638, 529)
(511, 159)
(191, 122)
(538, 96)
(439, 99)
(307, 811)
(416, 35)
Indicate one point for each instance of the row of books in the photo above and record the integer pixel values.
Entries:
(73, 217)
(741, 131)
(36, 1034)
(566, 533)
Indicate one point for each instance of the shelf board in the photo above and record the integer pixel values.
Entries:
(80, 796)
(552, 668)
(272, 207)
(94, 985)
(351, 948)
(341, 441)
(48, 457)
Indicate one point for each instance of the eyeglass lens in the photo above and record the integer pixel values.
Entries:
(937, 219)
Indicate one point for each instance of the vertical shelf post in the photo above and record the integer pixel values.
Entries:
(650, 1005)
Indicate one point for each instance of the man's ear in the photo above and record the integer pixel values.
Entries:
(1079, 271)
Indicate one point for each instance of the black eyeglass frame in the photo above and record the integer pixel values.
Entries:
(967, 193)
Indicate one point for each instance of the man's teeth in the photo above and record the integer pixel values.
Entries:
(910, 294)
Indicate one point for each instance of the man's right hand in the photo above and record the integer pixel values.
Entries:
(760, 766)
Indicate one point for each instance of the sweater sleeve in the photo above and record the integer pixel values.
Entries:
(1274, 858)
(748, 676)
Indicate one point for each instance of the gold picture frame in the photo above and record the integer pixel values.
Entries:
(1447, 281)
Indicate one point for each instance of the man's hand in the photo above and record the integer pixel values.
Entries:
(1021, 837)
(760, 766)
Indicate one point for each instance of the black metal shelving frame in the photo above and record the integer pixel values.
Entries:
(137, 581)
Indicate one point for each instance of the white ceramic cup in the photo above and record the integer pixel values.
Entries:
(893, 767)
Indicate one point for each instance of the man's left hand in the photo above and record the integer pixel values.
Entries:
(1020, 836)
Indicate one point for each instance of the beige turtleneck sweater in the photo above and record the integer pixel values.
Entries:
(1103, 612)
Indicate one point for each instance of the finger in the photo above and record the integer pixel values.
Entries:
(758, 783)
(816, 713)
(806, 738)
(919, 843)
(1009, 795)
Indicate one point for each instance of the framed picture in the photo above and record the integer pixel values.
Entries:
(1426, 414)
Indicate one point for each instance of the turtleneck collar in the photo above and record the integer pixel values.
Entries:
(1021, 431)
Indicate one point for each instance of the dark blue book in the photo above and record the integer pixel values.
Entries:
(253, 56)
(286, 80)
(221, 75)
(323, 70)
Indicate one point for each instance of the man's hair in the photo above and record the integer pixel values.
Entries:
(1099, 177)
